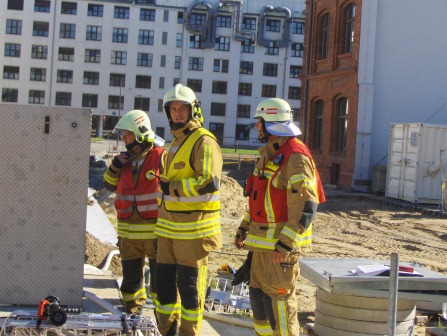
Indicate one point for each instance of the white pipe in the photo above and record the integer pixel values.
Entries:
(433, 168)
(103, 303)
(109, 259)
(229, 320)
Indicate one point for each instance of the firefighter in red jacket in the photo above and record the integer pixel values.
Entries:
(284, 192)
(134, 176)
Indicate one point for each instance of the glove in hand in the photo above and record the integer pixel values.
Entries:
(164, 187)
(243, 273)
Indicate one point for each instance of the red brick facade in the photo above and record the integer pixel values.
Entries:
(330, 85)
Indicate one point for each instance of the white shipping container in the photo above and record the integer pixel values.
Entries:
(415, 164)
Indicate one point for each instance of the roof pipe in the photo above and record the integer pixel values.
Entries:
(306, 69)
(239, 34)
(284, 41)
(207, 32)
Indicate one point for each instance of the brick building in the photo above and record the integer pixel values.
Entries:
(330, 96)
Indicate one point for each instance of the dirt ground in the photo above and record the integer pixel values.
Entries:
(347, 226)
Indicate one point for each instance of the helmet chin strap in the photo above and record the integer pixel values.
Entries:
(176, 126)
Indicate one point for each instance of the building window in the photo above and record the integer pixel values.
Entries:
(247, 46)
(67, 30)
(147, 14)
(13, 27)
(177, 62)
(11, 72)
(116, 102)
(324, 37)
(162, 61)
(220, 65)
(243, 110)
(272, 49)
(219, 87)
(91, 78)
(223, 21)
(121, 12)
(160, 131)
(194, 84)
(273, 25)
(63, 98)
(42, 6)
(222, 43)
(294, 92)
(195, 63)
(164, 38)
(141, 103)
(119, 57)
(244, 89)
(341, 125)
(297, 50)
(195, 41)
(38, 75)
(348, 28)
(93, 33)
(218, 130)
(117, 80)
(41, 28)
(248, 23)
(161, 83)
(160, 105)
(92, 56)
(64, 76)
(298, 28)
(144, 60)
(89, 100)
(178, 40)
(246, 68)
(15, 5)
(268, 91)
(180, 17)
(36, 97)
(175, 81)
(146, 37)
(295, 71)
(218, 109)
(143, 82)
(10, 95)
(296, 114)
(270, 69)
(65, 54)
(12, 50)
(70, 8)
(95, 10)
(120, 35)
(242, 132)
(198, 19)
(318, 124)
(39, 51)
(165, 16)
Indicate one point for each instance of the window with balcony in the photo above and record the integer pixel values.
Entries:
(248, 23)
(273, 25)
(223, 21)
(198, 19)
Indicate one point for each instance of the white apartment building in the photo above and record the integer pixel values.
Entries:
(115, 56)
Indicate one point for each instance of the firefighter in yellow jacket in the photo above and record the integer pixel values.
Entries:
(284, 192)
(188, 225)
(134, 176)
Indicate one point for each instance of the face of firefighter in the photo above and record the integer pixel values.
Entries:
(179, 112)
(127, 136)
(262, 133)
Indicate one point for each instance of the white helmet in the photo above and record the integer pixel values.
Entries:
(185, 95)
(277, 115)
(138, 122)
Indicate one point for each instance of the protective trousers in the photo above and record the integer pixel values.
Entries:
(133, 254)
(181, 286)
(272, 295)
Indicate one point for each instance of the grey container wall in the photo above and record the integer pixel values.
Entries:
(44, 182)
(414, 162)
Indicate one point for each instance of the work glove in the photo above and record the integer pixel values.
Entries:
(243, 273)
(164, 186)
(116, 162)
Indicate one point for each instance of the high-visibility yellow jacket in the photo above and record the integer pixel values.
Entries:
(193, 167)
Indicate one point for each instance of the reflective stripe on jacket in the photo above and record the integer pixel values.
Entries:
(144, 193)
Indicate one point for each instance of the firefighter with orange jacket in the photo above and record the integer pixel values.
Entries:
(284, 191)
(134, 176)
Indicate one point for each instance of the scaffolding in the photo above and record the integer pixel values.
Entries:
(27, 323)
